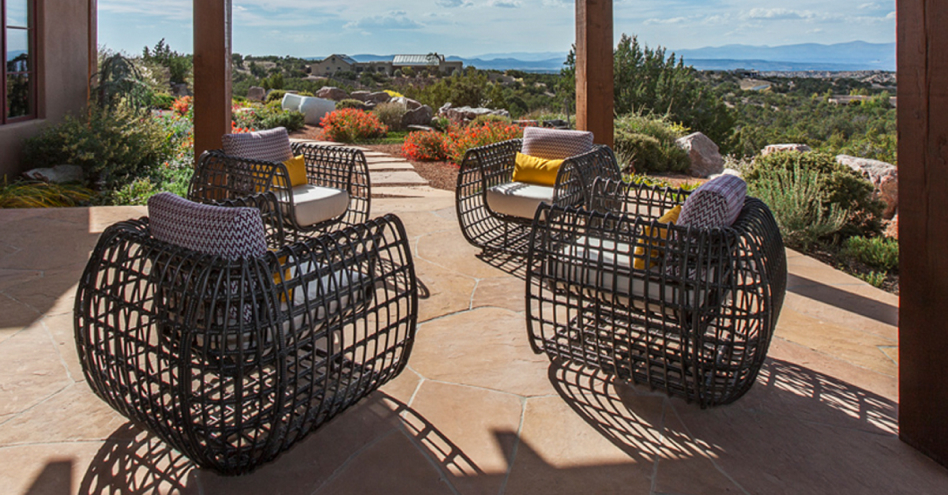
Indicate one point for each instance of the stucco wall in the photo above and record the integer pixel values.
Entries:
(62, 61)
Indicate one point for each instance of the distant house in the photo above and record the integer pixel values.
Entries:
(51, 56)
(429, 61)
(333, 64)
(344, 63)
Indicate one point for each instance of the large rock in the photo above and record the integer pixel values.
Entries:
(418, 116)
(359, 95)
(773, 148)
(57, 174)
(408, 103)
(467, 114)
(256, 93)
(331, 93)
(314, 109)
(704, 154)
(884, 176)
(379, 97)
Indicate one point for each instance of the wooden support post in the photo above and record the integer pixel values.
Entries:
(923, 225)
(212, 90)
(594, 69)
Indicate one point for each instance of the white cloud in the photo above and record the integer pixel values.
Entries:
(453, 3)
(867, 6)
(393, 20)
(775, 14)
(505, 4)
(673, 20)
(890, 15)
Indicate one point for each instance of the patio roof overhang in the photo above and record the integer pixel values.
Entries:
(923, 152)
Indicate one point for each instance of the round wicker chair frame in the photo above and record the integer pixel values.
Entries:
(232, 362)
(219, 177)
(493, 165)
(695, 324)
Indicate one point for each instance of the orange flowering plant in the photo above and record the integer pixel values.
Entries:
(425, 146)
(350, 125)
(459, 140)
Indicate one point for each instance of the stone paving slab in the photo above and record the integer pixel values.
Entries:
(388, 166)
(399, 178)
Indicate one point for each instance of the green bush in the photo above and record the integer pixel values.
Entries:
(390, 114)
(305, 93)
(113, 146)
(162, 101)
(275, 95)
(877, 252)
(441, 124)
(36, 194)
(648, 144)
(164, 179)
(798, 201)
(841, 187)
(350, 103)
(483, 119)
(293, 121)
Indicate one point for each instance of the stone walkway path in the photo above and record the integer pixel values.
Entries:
(475, 411)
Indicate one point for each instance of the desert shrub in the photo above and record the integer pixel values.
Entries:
(840, 185)
(293, 121)
(424, 146)
(305, 93)
(877, 252)
(483, 119)
(459, 140)
(797, 199)
(350, 103)
(648, 144)
(162, 101)
(275, 95)
(658, 181)
(350, 125)
(391, 114)
(141, 189)
(441, 124)
(875, 279)
(113, 146)
(38, 194)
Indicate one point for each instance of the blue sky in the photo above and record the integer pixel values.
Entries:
(473, 27)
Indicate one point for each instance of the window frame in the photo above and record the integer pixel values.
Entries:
(30, 28)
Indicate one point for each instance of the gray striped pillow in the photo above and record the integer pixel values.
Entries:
(555, 144)
(270, 146)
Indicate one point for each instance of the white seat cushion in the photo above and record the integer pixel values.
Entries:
(352, 286)
(607, 273)
(518, 199)
(314, 204)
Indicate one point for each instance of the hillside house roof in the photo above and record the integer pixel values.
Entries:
(418, 60)
(345, 58)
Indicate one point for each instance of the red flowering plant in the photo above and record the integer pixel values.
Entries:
(237, 129)
(182, 106)
(425, 146)
(460, 139)
(350, 125)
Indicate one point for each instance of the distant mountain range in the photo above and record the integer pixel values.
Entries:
(855, 55)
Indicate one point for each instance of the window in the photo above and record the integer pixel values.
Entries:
(19, 71)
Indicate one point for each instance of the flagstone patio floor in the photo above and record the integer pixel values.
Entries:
(475, 411)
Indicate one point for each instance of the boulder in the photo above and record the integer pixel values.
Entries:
(705, 157)
(884, 176)
(57, 174)
(256, 93)
(727, 171)
(179, 90)
(773, 148)
(419, 116)
(379, 97)
(408, 103)
(467, 114)
(314, 109)
(359, 95)
(331, 93)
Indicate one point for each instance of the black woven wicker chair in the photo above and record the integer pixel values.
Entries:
(489, 167)
(232, 362)
(219, 177)
(697, 324)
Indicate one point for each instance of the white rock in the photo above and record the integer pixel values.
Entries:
(773, 148)
(57, 174)
(705, 157)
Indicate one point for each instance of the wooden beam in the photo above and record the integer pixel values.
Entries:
(594, 69)
(923, 225)
(212, 89)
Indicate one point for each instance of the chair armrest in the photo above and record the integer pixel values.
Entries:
(619, 197)
(489, 165)
(220, 177)
(575, 177)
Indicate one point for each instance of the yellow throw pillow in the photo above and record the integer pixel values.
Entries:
(296, 166)
(670, 216)
(533, 170)
(283, 276)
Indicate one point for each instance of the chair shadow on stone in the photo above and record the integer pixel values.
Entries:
(133, 461)
(792, 412)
